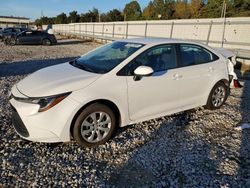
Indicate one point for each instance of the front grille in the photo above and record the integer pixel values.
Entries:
(18, 124)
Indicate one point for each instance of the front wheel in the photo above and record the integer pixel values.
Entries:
(217, 97)
(94, 125)
(46, 42)
(12, 41)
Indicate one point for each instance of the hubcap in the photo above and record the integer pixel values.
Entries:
(95, 127)
(47, 42)
(12, 41)
(218, 96)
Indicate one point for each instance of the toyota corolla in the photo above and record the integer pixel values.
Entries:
(118, 84)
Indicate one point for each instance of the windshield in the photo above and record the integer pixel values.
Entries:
(104, 59)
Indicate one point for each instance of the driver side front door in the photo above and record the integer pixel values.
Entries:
(155, 95)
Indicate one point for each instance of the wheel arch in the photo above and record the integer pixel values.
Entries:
(106, 102)
(224, 81)
(46, 38)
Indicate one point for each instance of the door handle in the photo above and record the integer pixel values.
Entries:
(177, 76)
(210, 69)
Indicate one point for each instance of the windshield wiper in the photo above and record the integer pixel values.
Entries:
(80, 66)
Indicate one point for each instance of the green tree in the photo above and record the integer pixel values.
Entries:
(160, 8)
(213, 9)
(241, 7)
(132, 11)
(90, 16)
(196, 8)
(61, 19)
(149, 12)
(112, 16)
(182, 10)
(170, 8)
(73, 17)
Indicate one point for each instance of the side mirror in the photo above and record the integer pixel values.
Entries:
(142, 71)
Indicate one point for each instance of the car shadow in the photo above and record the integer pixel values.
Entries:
(189, 151)
(70, 42)
(243, 160)
(29, 66)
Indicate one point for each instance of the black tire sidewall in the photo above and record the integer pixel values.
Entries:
(6, 41)
(45, 42)
(12, 41)
(88, 110)
(210, 103)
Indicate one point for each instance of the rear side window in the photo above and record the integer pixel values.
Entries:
(195, 55)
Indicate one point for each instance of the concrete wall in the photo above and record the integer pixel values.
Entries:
(235, 33)
(13, 22)
(3, 25)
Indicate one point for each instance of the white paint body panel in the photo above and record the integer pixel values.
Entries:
(56, 79)
(163, 93)
(153, 95)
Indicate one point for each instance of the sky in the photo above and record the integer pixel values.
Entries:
(34, 8)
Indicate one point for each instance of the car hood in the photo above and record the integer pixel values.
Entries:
(56, 80)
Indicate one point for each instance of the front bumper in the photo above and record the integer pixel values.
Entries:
(18, 124)
(50, 126)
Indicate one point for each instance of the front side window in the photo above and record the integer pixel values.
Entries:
(160, 58)
(107, 57)
(195, 55)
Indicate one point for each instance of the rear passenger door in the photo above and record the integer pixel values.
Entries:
(22, 37)
(197, 69)
(25, 38)
(29, 37)
(35, 37)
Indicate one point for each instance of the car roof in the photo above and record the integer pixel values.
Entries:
(153, 40)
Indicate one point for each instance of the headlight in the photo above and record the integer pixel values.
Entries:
(45, 102)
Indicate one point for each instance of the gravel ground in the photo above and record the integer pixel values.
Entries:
(197, 148)
(64, 49)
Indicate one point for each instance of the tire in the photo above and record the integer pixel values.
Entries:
(217, 96)
(6, 41)
(86, 132)
(46, 42)
(12, 41)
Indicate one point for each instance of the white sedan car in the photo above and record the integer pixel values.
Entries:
(121, 83)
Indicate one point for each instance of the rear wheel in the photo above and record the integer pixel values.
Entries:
(94, 125)
(46, 42)
(217, 97)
